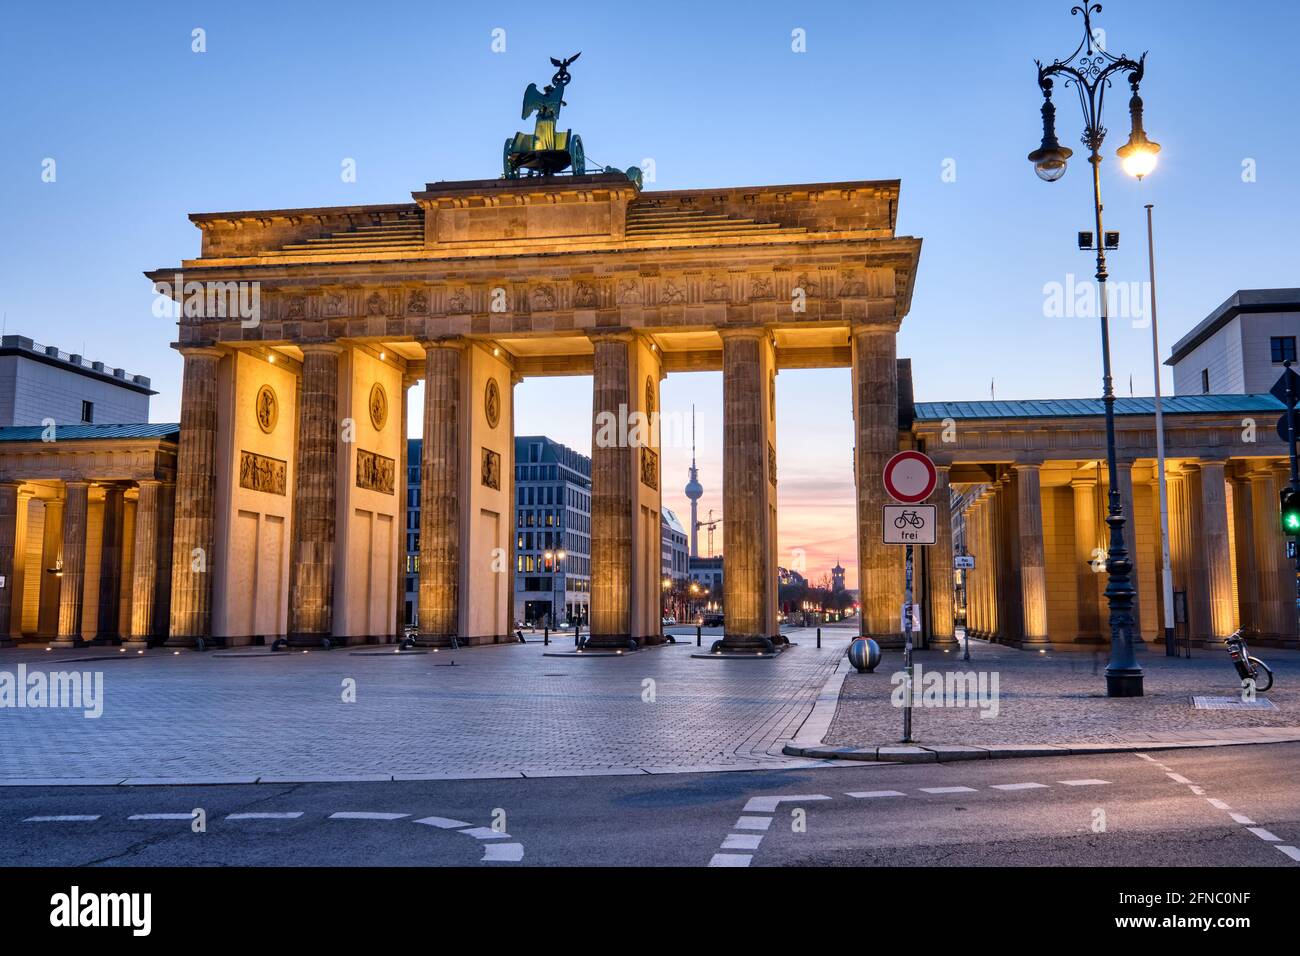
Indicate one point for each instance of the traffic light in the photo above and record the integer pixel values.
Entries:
(1291, 510)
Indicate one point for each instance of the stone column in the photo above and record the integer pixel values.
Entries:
(1218, 554)
(1086, 540)
(403, 491)
(1180, 537)
(196, 491)
(311, 584)
(611, 495)
(975, 576)
(1268, 559)
(939, 564)
(110, 565)
(1033, 566)
(47, 621)
(1125, 469)
(986, 562)
(144, 570)
(21, 568)
(9, 545)
(73, 580)
(1011, 614)
(1244, 553)
(1199, 622)
(875, 420)
(748, 477)
(440, 468)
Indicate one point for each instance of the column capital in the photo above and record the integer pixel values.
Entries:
(612, 334)
(744, 332)
(1028, 466)
(1083, 481)
(878, 327)
(458, 342)
(333, 348)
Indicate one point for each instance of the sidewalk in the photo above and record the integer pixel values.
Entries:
(1048, 704)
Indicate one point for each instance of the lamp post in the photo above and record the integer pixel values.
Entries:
(1090, 70)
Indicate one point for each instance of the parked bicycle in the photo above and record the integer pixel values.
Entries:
(1249, 668)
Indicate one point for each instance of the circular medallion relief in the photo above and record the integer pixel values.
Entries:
(267, 408)
(378, 406)
(492, 402)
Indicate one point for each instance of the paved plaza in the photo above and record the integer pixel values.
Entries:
(504, 710)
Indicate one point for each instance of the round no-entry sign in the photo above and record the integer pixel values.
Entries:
(910, 477)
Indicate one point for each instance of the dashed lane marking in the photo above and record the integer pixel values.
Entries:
(873, 794)
(64, 818)
(1179, 778)
(502, 853)
(1292, 852)
(1241, 818)
(485, 833)
(1019, 786)
(1264, 835)
(1218, 804)
(366, 815)
(291, 815)
(730, 859)
(161, 816)
(444, 823)
(769, 804)
(742, 841)
(948, 790)
(753, 823)
(1083, 783)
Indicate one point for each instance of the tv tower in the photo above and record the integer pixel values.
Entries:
(694, 491)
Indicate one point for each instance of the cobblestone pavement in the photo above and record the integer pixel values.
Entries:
(1061, 696)
(500, 710)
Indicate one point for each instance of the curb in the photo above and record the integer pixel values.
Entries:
(948, 753)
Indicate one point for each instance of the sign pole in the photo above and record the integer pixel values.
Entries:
(907, 648)
(965, 629)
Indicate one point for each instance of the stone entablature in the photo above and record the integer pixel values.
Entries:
(97, 459)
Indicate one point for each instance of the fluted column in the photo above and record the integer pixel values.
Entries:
(1218, 554)
(875, 420)
(1247, 571)
(940, 564)
(1033, 566)
(9, 545)
(1125, 470)
(110, 564)
(73, 580)
(749, 533)
(144, 568)
(1086, 541)
(1011, 615)
(440, 468)
(22, 568)
(403, 492)
(611, 495)
(196, 491)
(311, 585)
(47, 619)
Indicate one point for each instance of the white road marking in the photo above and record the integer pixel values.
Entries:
(742, 841)
(502, 852)
(768, 804)
(871, 794)
(366, 815)
(730, 859)
(1178, 778)
(1197, 790)
(1241, 818)
(753, 823)
(1147, 757)
(161, 816)
(485, 833)
(294, 815)
(1083, 783)
(65, 818)
(1264, 834)
(1218, 804)
(947, 789)
(1292, 852)
(444, 823)
(1019, 786)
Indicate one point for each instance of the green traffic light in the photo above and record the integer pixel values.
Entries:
(1291, 521)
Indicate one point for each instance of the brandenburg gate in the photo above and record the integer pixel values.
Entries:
(290, 491)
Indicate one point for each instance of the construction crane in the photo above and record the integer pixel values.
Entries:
(710, 524)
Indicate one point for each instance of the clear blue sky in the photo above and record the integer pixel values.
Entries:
(144, 131)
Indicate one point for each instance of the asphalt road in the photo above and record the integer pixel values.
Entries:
(1153, 816)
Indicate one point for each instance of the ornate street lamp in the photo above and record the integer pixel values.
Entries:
(1090, 69)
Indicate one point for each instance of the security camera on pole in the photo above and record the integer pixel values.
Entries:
(910, 477)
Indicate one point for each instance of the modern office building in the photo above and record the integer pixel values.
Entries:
(552, 532)
(676, 550)
(1239, 348)
(40, 383)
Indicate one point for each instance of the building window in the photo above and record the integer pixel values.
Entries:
(1282, 347)
(88, 408)
(1205, 381)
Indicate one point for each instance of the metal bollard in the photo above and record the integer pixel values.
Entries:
(546, 638)
(698, 631)
(819, 638)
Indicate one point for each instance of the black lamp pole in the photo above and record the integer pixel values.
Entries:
(1089, 69)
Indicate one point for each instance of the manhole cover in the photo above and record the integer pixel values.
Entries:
(1232, 703)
